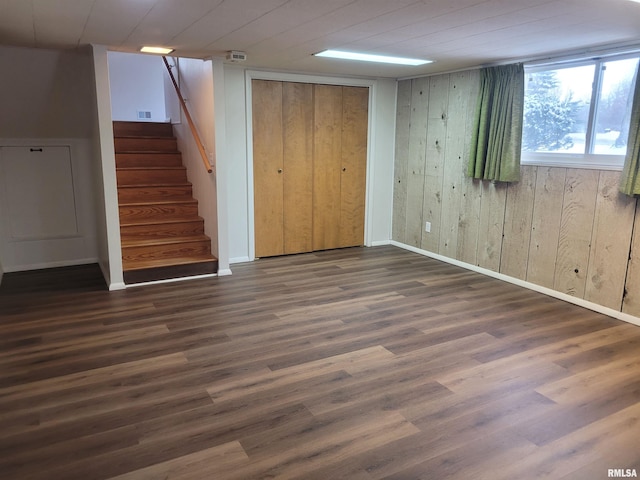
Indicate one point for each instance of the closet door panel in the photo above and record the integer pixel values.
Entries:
(327, 160)
(297, 120)
(355, 106)
(268, 167)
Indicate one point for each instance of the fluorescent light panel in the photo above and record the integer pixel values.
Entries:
(367, 57)
(160, 50)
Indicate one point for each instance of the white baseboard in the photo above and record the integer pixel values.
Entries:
(42, 266)
(381, 243)
(117, 286)
(106, 274)
(239, 260)
(522, 283)
(224, 272)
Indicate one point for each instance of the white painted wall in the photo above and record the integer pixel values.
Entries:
(382, 144)
(136, 84)
(45, 93)
(106, 190)
(236, 163)
(221, 166)
(238, 156)
(48, 102)
(196, 85)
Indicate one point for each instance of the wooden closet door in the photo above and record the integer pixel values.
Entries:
(327, 161)
(355, 123)
(268, 168)
(297, 121)
(310, 154)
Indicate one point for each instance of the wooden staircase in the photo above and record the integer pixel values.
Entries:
(162, 234)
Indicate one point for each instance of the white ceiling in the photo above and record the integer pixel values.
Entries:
(283, 34)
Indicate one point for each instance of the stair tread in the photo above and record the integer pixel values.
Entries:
(169, 201)
(146, 137)
(167, 240)
(167, 262)
(153, 185)
(152, 152)
(156, 221)
(156, 185)
(160, 221)
(160, 167)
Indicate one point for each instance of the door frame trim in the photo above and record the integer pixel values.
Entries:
(371, 84)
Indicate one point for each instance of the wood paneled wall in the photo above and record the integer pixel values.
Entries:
(563, 228)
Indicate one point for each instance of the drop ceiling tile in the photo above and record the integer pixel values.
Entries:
(17, 23)
(224, 19)
(336, 27)
(60, 23)
(279, 20)
(168, 18)
(112, 22)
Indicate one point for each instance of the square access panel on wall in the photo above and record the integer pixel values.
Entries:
(39, 200)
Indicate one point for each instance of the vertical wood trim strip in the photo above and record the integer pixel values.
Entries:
(469, 219)
(610, 243)
(576, 227)
(434, 165)
(517, 225)
(454, 165)
(545, 225)
(403, 122)
(417, 159)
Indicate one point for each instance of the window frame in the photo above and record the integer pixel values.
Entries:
(579, 160)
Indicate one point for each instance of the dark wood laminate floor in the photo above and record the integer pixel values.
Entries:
(351, 364)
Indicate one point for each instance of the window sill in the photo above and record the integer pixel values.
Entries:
(566, 160)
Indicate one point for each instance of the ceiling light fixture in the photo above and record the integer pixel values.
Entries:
(158, 50)
(367, 57)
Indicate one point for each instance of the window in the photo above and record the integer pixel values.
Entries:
(577, 114)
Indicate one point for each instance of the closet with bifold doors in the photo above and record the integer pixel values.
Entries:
(309, 166)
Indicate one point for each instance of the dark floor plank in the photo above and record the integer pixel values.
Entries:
(359, 364)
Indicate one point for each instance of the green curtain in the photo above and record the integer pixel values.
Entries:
(630, 180)
(497, 132)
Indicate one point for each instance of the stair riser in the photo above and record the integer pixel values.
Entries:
(138, 213)
(142, 129)
(125, 144)
(161, 230)
(156, 252)
(144, 160)
(163, 273)
(152, 194)
(151, 177)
